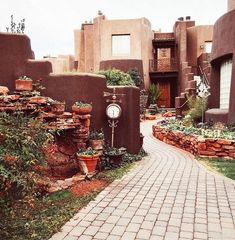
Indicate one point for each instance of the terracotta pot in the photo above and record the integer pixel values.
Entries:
(150, 117)
(90, 161)
(82, 109)
(97, 144)
(58, 108)
(23, 85)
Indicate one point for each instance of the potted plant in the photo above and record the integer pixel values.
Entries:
(57, 107)
(81, 108)
(87, 160)
(96, 139)
(24, 83)
(115, 154)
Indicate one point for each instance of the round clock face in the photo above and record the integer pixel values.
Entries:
(113, 111)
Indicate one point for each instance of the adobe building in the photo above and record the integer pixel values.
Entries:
(113, 41)
(167, 59)
(222, 101)
(176, 60)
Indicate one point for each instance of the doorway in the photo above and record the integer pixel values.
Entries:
(165, 98)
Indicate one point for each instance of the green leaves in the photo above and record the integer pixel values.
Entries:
(116, 77)
(154, 93)
(20, 149)
(135, 76)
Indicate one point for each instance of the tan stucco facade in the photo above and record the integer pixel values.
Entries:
(61, 64)
(231, 5)
(197, 37)
(93, 43)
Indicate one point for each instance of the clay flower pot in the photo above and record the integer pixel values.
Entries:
(87, 162)
(81, 108)
(24, 84)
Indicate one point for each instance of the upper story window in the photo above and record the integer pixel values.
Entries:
(208, 46)
(121, 45)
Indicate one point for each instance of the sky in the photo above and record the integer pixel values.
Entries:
(50, 24)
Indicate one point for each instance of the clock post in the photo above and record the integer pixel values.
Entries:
(113, 111)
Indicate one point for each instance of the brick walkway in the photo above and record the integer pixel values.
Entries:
(167, 196)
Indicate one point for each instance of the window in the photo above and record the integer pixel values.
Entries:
(208, 47)
(121, 45)
(225, 83)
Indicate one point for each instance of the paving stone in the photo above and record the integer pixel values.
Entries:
(106, 227)
(143, 234)
(85, 237)
(69, 237)
(113, 237)
(77, 231)
(147, 225)
(129, 236)
(101, 235)
(118, 230)
(133, 227)
(91, 230)
(159, 230)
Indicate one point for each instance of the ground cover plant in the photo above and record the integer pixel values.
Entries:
(223, 166)
(217, 130)
(40, 217)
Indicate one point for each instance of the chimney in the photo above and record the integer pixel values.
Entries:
(188, 18)
(180, 19)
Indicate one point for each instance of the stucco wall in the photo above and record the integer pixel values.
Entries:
(223, 47)
(180, 32)
(196, 38)
(16, 59)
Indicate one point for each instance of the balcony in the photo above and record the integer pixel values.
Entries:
(163, 65)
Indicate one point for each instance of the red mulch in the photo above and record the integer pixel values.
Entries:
(83, 188)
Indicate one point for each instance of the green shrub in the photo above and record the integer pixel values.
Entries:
(154, 93)
(135, 76)
(197, 107)
(116, 77)
(20, 149)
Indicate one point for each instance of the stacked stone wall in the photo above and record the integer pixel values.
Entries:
(197, 145)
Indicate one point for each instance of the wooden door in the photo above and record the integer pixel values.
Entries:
(164, 100)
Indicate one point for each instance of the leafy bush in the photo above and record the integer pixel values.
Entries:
(20, 149)
(116, 77)
(154, 93)
(197, 107)
(135, 76)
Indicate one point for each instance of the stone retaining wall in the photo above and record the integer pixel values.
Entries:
(197, 145)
